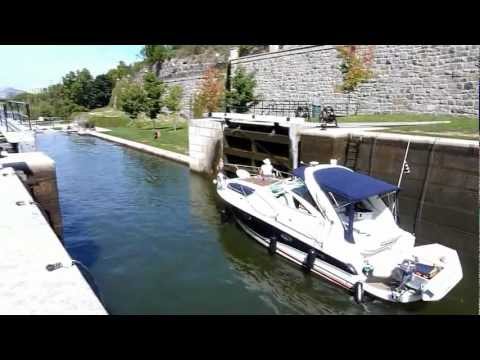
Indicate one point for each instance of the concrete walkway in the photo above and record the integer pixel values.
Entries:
(374, 129)
(387, 124)
(27, 245)
(185, 159)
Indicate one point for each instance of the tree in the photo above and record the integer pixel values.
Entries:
(174, 99)
(132, 99)
(154, 91)
(210, 94)
(241, 97)
(355, 67)
(174, 102)
(122, 70)
(102, 91)
(244, 50)
(79, 87)
(157, 53)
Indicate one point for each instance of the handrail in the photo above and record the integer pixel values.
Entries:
(258, 169)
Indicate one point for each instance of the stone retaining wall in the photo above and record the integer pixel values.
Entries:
(186, 72)
(440, 79)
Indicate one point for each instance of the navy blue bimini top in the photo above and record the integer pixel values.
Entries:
(349, 185)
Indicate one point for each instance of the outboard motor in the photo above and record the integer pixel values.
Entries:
(403, 274)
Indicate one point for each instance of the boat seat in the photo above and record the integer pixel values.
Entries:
(242, 174)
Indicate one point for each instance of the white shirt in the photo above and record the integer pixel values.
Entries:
(267, 170)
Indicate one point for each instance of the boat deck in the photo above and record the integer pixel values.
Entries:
(261, 181)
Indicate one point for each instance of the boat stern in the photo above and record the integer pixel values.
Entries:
(447, 276)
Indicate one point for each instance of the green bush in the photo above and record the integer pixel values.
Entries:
(157, 53)
(132, 99)
(241, 97)
(173, 100)
(198, 106)
(154, 90)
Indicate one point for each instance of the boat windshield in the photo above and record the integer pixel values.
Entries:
(281, 186)
(303, 192)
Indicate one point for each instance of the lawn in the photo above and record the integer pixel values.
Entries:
(461, 127)
(169, 139)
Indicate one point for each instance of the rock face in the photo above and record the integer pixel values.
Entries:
(9, 92)
(407, 78)
(187, 72)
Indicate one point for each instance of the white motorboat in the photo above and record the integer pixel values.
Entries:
(340, 225)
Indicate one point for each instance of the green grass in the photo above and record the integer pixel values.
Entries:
(401, 117)
(461, 127)
(103, 117)
(466, 129)
(108, 121)
(169, 139)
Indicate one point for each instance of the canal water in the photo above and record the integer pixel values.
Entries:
(150, 233)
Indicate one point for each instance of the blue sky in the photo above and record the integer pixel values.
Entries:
(28, 67)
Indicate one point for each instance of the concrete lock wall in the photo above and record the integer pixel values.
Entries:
(39, 176)
(440, 79)
(441, 192)
(204, 144)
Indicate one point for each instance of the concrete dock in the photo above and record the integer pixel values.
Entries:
(27, 245)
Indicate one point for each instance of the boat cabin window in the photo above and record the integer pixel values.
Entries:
(242, 189)
(303, 192)
(295, 202)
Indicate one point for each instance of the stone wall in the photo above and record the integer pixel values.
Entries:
(407, 78)
(187, 72)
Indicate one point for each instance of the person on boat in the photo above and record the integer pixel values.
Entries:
(266, 170)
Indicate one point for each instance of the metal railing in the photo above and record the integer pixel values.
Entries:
(284, 108)
(255, 170)
(294, 108)
(16, 111)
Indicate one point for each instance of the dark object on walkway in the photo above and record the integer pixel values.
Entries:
(302, 111)
(328, 116)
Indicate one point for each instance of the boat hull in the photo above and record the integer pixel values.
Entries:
(293, 249)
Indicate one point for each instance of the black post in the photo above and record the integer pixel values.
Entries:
(27, 106)
(6, 116)
(12, 110)
(18, 112)
(228, 85)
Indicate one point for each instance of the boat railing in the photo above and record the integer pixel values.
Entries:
(255, 170)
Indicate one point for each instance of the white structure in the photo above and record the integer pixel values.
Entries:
(28, 244)
(334, 222)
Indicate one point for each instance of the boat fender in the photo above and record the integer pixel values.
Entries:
(351, 269)
(225, 216)
(310, 259)
(358, 292)
(272, 247)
